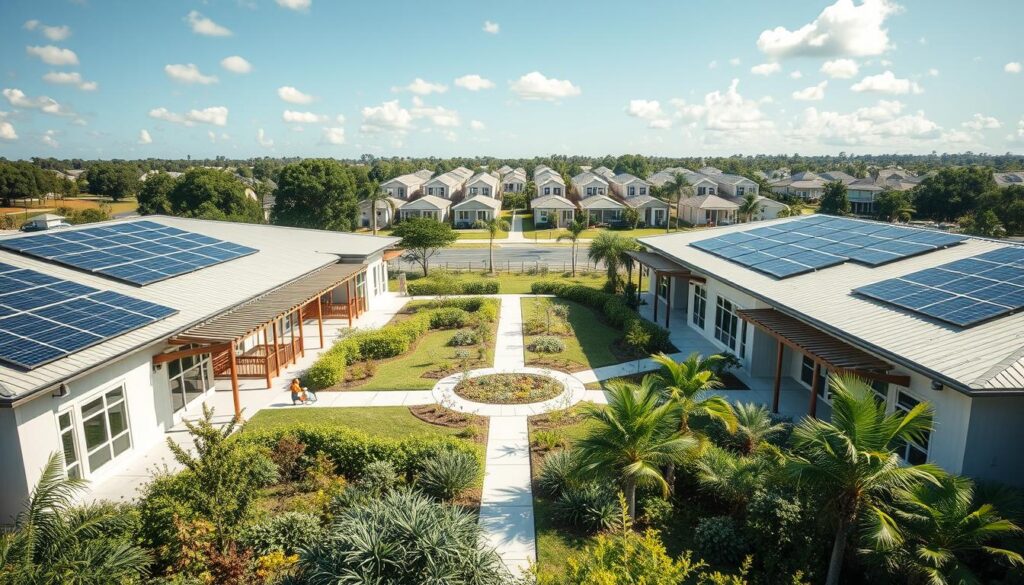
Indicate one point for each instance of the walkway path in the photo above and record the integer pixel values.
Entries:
(508, 349)
(515, 235)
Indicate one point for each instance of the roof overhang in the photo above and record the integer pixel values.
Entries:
(662, 265)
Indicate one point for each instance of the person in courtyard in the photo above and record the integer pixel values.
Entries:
(298, 392)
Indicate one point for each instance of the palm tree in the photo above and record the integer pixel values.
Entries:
(754, 426)
(575, 229)
(53, 542)
(632, 437)
(675, 188)
(939, 526)
(493, 225)
(852, 462)
(375, 196)
(734, 478)
(686, 384)
(750, 207)
(611, 248)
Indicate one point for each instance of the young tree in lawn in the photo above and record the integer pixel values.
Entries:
(493, 225)
(575, 229)
(835, 201)
(424, 237)
(631, 217)
(611, 249)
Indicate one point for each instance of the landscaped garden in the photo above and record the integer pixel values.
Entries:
(509, 388)
(427, 341)
(566, 335)
(519, 281)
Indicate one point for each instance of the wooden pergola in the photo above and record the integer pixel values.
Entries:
(271, 320)
(823, 349)
(662, 267)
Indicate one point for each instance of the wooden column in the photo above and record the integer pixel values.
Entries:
(657, 283)
(668, 301)
(266, 356)
(320, 321)
(291, 337)
(812, 409)
(778, 378)
(302, 336)
(629, 273)
(348, 301)
(277, 351)
(639, 282)
(234, 382)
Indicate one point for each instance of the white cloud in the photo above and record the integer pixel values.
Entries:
(885, 63)
(340, 119)
(729, 111)
(766, 69)
(293, 96)
(645, 109)
(881, 125)
(188, 73)
(422, 87)
(294, 117)
(437, 115)
(887, 83)
(796, 75)
(387, 117)
(334, 135)
(840, 68)
(45, 104)
(49, 138)
(300, 5)
(211, 135)
(813, 93)
(54, 33)
(144, 137)
(842, 29)
(686, 110)
(735, 61)
(474, 82)
(535, 86)
(6, 128)
(477, 125)
(52, 55)
(726, 117)
(202, 25)
(661, 124)
(933, 72)
(216, 115)
(263, 140)
(491, 27)
(236, 64)
(1019, 135)
(1012, 67)
(980, 122)
(713, 65)
(65, 78)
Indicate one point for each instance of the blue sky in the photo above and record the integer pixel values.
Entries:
(133, 79)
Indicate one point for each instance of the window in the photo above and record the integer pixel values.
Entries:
(401, 192)
(700, 305)
(739, 191)
(632, 191)
(643, 190)
(105, 426)
(547, 190)
(911, 452)
(726, 323)
(69, 444)
(807, 377)
(881, 390)
(486, 191)
(662, 286)
(558, 190)
(590, 191)
(472, 190)
(430, 190)
(188, 379)
(743, 339)
(463, 216)
(702, 190)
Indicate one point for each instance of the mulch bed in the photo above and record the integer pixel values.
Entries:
(509, 388)
(435, 414)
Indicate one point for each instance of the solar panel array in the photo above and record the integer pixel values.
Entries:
(43, 318)
(964, 293)
(820, 241)
(140, 252)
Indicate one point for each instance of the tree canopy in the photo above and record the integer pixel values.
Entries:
(20, 180)
(213, 194)
(423, 237)
(155, 195)
(835, 200)
(321, 194)
(952, 192)
(115, 180)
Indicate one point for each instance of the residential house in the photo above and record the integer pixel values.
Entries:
(601, 209)
(708, 210)
(791, 330)
(660, 178)
(653, 211)
(806, 185)
(514, 181)
(427, 206)
(733, 185)
(840, 176)
(387, 212)
(626, 185)
(550, 183)
(504, 170)
(587, 184)
(484, 184)
(408, 186)
(553, 210)
(476, 208)
(768, 208)
(130, 354)
(604, 172)
(448, 185)
(862, 194)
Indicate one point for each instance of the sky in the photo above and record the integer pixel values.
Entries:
(243, 78)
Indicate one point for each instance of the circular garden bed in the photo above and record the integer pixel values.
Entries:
(509, 388)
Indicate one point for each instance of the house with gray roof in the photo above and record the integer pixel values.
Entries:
(430, 206)
(553, 211)
(481, 207)
(653, 211)
(484, 184)
(588, 184)
(708, 210)
(601, 209)
(448, 185)
(408, 186)
(626, 185)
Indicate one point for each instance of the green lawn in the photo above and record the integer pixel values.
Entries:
(551, 234)
(391, 422)
(406, 371)
(512, 283)
(589, 347)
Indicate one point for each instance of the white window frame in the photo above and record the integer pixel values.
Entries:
(632, 190)
(203, 360)
(108, 443)
(643, 190)
(909, 447)
(700, 306)
(726, 338)
(74, 469)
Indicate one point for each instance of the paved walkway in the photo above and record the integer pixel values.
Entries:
(508, 348)
(515, 235)
(506, 506)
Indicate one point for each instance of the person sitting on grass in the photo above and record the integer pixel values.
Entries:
(298, 392)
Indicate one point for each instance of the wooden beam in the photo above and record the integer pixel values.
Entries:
(234, 382)
(812, 408)
(174, 355)
(277, 352)
(668, 300)
(320, 321)
(348, 301)
(266, 357)
(302, 336)
(776, 391)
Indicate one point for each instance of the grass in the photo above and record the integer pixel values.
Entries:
(391, 422)
(591, 233)
(51, 205)
(589, 346)
(512, 283)
(406, 371)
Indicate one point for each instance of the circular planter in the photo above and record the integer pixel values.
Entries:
(508, 388)
(572, 392)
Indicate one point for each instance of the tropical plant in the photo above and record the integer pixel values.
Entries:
(754, 426)
(575, 230)
(402, 538)
(632, 437)
(749, 207)
(942, 528)
(281, 532)
(53, 542)
(611, 248)
(853, 462)
(559, 472)
(676, 188)
(447, 475)
(734, 478)
(686, 384)
(494, 226)
(377, 197)
(590, 506)
(379, 477)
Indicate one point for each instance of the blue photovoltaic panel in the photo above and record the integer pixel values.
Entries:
(140, 252)
(43, 318)
(820, 241)
(964, 293)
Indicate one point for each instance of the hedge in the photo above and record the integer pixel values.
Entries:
(351, 450)
(425, 286)
(616, 311)
(448, 318)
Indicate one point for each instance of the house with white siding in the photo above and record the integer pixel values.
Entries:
(448, 185)
(587, 184)
(430, 206)
(467, 212)
(734, 185)
(604, 172)
(513, 181)
(663, 176)
(601, 209)
(407, 186)
(653, 211)
(553, 211)
(484, 184)
(387, 212)
(626, 185)
(550, 183)
(708, 210)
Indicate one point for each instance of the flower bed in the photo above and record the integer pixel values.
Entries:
(509, 388)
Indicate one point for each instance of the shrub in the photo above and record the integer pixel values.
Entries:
(447, 475)
(549, 440)
(558, 473)
(590, 506)
(434, 286)
(546, 344)
(284, 532)
(328, 370)
(383, 343)
(718, 541)
(463, 338)
(656, 512)
(286, 455)
(379, 477)
(534, 326)
(483, 287)
(448, 318)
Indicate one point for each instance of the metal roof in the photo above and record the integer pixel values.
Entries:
(551, 202)
(429, 202)
(600, 202)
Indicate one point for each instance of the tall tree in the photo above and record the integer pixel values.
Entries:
(207, 193)
(377, 197)
(155, 195)
(892, 205)
(611, 248)
(318, 193)
(677, 187)
(115, 180)
(494, 225)
(952, 192)
(575, 230)
(423, 238)
(982, 223)
(835, 201)
(852, 462)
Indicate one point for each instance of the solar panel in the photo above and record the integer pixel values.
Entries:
(43, 318)
(964, 292)
(820, 241)
(140, 252)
